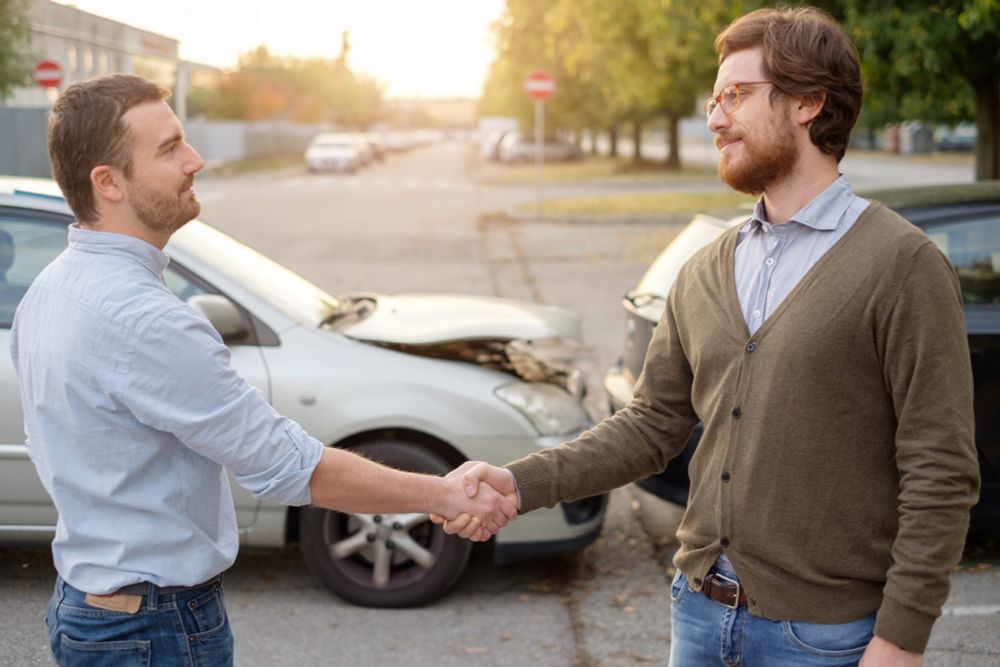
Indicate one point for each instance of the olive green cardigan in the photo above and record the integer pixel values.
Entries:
(837, 465)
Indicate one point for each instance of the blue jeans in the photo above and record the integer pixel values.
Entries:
(704, 633)
(187, 628)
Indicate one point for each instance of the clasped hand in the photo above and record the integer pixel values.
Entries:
(489, 506)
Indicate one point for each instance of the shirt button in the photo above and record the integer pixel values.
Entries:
(737, 413)
(751, 346)
(756, 314)
(724, 542)
(769, 261)
(726, 476)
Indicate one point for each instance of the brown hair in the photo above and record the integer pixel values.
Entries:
(86, 130)
(806, 54)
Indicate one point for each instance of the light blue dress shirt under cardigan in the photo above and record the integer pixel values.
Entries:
(132, 412)
(772, 259)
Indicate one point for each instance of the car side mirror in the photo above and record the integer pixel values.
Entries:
(221, 312)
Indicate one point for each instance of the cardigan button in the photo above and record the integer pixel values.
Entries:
(751, 346)
(737, 413)
(726, 477)
(697, 581)
(724, 542)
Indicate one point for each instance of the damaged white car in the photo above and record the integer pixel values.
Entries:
(421, 382)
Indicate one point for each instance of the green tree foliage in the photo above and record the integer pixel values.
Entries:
(615, 61)
(15, 36)
(937, 61)
(265, 86)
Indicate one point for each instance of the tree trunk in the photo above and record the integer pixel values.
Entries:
(637, 142)
(673, 162)
(613, 138)
(593, 142)
(987, 92)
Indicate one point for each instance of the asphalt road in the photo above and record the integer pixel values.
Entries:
(420, 223)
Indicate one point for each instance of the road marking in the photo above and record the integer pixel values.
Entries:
(971, 610)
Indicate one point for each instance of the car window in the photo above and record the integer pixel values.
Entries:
(973, 248)
(180, 285)
(26, 247)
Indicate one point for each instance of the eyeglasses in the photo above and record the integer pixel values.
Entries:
(730, 97)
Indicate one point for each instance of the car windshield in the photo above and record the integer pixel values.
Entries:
(698, 233)
(285, 289)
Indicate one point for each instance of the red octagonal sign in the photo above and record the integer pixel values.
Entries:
(48, 74)
(540, 85)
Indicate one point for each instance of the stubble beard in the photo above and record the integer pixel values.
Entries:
(764, 162)
(160, 212)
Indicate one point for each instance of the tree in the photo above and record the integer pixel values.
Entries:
(15, 37)
(936, 61)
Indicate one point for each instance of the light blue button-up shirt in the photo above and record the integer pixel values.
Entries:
(132, 412)
(772, 259)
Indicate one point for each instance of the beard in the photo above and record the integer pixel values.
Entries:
(767, 158)
(160, 211)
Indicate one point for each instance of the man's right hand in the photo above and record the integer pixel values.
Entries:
(473, 472)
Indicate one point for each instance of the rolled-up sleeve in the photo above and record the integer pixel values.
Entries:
(179, 379)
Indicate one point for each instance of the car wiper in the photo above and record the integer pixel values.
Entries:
(351, 309)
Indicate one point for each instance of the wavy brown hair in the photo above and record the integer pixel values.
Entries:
(806, 54)
(86, 130)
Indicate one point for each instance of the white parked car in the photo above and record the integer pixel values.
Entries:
(334, 152)
(421, 382)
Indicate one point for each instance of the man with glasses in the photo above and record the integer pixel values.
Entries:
(823, 347)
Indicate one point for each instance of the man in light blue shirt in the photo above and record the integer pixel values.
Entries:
(134, 413)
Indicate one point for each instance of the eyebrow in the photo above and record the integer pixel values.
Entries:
(170, 140)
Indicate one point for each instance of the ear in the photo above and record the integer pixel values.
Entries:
(106, 182)
(808, 107)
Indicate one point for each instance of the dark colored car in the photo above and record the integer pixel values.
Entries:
(962, 220)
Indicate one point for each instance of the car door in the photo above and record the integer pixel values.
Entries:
(972, 245)
(29, 240)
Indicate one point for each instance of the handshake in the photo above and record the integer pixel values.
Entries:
(490, 501)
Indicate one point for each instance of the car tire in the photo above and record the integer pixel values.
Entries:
(350, 552)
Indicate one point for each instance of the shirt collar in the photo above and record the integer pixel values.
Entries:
(121, 245)
(824, 212)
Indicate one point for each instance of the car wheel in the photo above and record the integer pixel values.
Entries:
(387, 560)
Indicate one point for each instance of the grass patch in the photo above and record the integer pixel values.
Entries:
(646, 204)
(590, 169)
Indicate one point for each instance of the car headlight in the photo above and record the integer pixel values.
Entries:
(549, 408)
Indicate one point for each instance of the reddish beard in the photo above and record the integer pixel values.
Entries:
(763, 164)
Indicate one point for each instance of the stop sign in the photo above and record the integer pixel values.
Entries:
(540, 85)
(47, 74)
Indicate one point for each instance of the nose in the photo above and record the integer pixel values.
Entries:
(193, 164)
(718, 120)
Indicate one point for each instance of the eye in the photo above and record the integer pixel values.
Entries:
(729, 96)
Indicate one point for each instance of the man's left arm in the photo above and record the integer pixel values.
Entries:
(928, 373)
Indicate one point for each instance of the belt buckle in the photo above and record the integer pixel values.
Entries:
(736, 595)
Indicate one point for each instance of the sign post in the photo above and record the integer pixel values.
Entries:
(47, 74)
(539, 85)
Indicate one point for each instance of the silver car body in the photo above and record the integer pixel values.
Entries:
(340, 381)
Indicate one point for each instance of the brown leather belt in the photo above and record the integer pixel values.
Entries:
(727, 592)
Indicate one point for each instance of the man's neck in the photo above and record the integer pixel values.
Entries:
(132, 228)
(805, 183)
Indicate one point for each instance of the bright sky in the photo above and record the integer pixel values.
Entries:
(425, 48)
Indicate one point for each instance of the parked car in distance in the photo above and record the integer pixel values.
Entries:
(516, 149)
(420, 382)
(962, 220)
(960, 139)
(337, 152)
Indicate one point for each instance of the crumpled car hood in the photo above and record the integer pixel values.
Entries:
(420, 319)
(536, 343)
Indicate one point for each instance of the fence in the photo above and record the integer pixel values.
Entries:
(23, 151)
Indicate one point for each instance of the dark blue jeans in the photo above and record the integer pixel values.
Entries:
(705, 633)
(187, 628)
